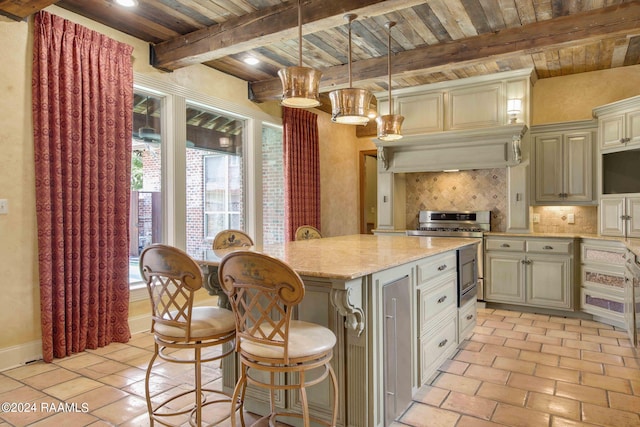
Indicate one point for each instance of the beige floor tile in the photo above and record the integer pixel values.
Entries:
(582, 393)
(539, 358)
(482, 330)
(78, 361)
(514, 365)
(50, 378)
(616, 349)
(530, 329)
(581, 365)
(107, 367)
(67, 420)
(501, 350)
(457, 383)
(609, 417)
(497, 324)
(582, 329)
(613, 334)
(488, 339)
(531, 383)
(486, 373)
(624, 402)
(507, 313)
(563, 422)
(523, 345)
(433, 396)
(122, 410)
(489, 317)
(608, 359)
(468, 421)
(582, 345)
(470, 345)
(563, 334)
(620, 385)
(518, 321)
(501, 393)
(29, 412)
(559, 374)
(71, 388)
(8, 384)
(519, 417)
(561, 351)
(29, 370)
(594, 324)
(635, 386)
(631, 362)
(475, 406)
(600, 339)
(548, 325)
(475, 357)
(622, 372)
(99, 397)
(21, 394)
(536, 316)
(565, 320)
(418, 413)
(511, 335)
(126, 354)
(543, 339)
(453, 367)
(556, 405)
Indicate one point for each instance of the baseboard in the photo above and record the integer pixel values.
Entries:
(17, 355)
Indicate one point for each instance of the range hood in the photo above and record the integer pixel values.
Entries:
(453, 150)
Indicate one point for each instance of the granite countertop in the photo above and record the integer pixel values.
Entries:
(350, 257)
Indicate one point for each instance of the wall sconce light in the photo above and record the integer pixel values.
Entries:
(514, 107)
(225, 142)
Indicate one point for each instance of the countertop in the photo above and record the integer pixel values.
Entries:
(352, 256)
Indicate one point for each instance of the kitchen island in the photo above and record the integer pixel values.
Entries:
(345, 280)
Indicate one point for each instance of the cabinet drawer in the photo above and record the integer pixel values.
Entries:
(507, 245)
(435, 266)
(466, 320)
(550, 246)
(433, 300)
(435, 347)
(602, 304)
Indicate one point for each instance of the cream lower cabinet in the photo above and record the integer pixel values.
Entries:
(532, 272)
(620, 216)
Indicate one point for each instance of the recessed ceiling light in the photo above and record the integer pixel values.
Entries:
(127, 3)
(251, 60)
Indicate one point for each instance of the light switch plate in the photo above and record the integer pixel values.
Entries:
(536, 218)
(571, 218)
(4, 206)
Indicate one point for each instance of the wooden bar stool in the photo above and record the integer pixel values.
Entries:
(306, 232)
(263, 292)
(172, 279)
(232, 239)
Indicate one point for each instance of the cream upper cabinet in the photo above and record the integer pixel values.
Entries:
(619, 124)
(563, 163)
(475, 107)
(422, 113)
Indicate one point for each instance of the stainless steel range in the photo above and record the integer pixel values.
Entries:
(471, 224)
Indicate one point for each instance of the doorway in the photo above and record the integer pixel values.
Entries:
(368, 191)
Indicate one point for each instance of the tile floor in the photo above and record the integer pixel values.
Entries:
(517, 369)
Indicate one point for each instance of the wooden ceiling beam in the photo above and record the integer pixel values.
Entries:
(261, 28)
(528, 39)
(18, 10)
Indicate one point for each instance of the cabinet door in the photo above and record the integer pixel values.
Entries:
(611, 216)
(611, 130)
(422, 113)
(633, 211)
(578, 169)
(549, 168)
(504, 277)
(633, 127)
(385, 197)
(548, 281)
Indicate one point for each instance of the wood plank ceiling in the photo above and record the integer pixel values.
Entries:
(433, 41)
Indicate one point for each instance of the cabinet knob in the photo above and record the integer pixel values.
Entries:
(548, 247)
(443, 343)
(505, 245)
(625, 140)
(442, 299)
(469, 316)
(442, 267)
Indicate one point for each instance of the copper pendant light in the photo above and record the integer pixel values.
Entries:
(300, 85)
(350, 106)
(389, 126)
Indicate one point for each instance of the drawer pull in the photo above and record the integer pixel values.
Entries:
(505, 245)
(442, 267)
(469, 316)
(441, 299)
(443, 343)
(548, 247)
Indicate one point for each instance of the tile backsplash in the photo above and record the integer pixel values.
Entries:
(554, 219)
(472, 190)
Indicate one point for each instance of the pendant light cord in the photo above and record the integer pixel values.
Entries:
(389, 69)
(300, 32)
(350, 18)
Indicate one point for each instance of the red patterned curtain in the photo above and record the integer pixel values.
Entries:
(301, 169)
(82, 118)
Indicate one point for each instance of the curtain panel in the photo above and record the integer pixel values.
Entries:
(82, 118)
(301, 169)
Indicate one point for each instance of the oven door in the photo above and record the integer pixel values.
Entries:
(467, 274)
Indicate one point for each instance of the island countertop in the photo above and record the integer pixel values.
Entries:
(349, 257)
